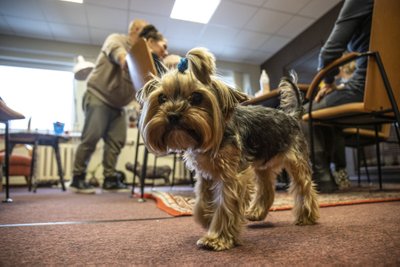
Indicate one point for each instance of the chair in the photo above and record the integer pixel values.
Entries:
(141, 68)
(359, 138)
(380, 104)
(145, 171)
(7, 114)
(154, 172)
(20, 165)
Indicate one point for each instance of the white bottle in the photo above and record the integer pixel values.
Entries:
(264, 82)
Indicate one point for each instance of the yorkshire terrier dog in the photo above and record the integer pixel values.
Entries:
(236, 151)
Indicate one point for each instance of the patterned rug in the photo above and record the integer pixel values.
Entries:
(181, 205)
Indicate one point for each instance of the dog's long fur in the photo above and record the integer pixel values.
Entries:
(236, 151)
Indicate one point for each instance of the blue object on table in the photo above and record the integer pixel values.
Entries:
(58, 127)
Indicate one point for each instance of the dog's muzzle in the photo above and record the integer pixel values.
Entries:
(174, 118)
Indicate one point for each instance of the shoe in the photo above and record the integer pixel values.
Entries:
(79, 185)
(324, 181)
(322, 176)
(114, 184)
(326, 187)
(342, 179)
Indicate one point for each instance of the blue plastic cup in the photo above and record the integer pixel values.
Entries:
(58, 128)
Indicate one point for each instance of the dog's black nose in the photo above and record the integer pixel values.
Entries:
(174, 117)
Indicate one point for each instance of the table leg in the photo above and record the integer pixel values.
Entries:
(33, 182)
(7, 167)
(59, 166)
(136, 162)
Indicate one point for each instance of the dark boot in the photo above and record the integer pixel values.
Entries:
(322, 176)
(114, 183)
(79, 185)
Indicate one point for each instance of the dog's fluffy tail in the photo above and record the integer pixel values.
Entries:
(291, 98)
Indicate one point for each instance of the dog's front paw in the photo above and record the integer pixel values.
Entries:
(214, 243)
(256, 214)
(306, 219)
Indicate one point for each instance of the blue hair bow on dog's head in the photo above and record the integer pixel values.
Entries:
(183, 65)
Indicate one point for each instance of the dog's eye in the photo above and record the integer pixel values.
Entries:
(162, 98)
(196, 98)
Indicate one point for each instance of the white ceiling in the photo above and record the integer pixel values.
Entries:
(246, 31)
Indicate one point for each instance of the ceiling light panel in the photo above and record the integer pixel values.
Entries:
(199, 11)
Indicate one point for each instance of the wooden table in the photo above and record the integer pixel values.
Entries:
(38, 139)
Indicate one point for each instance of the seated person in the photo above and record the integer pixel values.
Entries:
(338, 155)
(352, 32)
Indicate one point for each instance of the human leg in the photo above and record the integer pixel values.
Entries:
(114, 141)
(322, 175)
(339, 159)
(337, 140)
(94, 126)
(329, 143)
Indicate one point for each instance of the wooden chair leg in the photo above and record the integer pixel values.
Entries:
(358, 157)
(143, 175)
(378, 157)
(173, 171)
(359, 166)
(7, 164)
(135, 164)
(28, 182)
(388, 87)
(191, 173)
(365, 165)
(1, 178)
(154, 171)
(396, 128)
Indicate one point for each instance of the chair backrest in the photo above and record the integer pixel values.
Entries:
(140, 64)
(385, 39)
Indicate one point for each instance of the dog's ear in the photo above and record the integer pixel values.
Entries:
(145, 91)
(228, 97)
(238, 96)
(202, 64)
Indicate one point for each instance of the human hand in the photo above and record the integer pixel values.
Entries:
(325, 90)
(122, 62)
